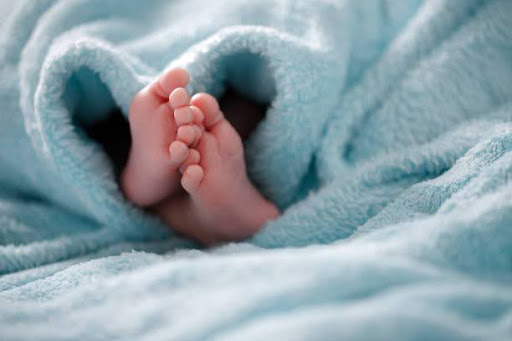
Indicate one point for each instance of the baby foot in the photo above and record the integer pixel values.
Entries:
(222, 204)
(163, 127)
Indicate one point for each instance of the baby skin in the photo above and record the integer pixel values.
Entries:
(187, 165)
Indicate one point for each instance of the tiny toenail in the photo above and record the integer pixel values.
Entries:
(187, 133)
(198, 114)
(177, 148)
(183, 115)
(179, 98)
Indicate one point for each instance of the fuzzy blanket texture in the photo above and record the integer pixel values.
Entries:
(387, 144)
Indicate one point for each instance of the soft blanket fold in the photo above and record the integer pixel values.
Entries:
(386, 144)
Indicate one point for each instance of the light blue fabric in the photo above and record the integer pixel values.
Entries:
(387, 145)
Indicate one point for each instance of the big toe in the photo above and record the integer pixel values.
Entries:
(168, 82)
(158, 92)
(209, 107)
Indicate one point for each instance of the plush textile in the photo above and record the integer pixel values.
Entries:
(387, 146)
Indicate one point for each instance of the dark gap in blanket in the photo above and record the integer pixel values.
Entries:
(112, 130)
(96, 115)
(113, 134)
(244, 114)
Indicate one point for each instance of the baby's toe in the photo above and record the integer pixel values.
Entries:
(209, 107)
(193, 159)
(187, 134)
(198, 133)
(178, 152)
(168, 82)
(198, 115)
(192, 178)
(179, 98)
(190, 134)
(183, 116)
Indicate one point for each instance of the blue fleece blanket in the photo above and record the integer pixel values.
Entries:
(387, 144)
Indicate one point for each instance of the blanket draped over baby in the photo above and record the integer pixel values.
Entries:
(387, 144)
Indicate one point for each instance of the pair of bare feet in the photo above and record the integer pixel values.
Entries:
(186, 163)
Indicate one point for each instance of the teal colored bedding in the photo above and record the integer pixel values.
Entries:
(387, 145)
